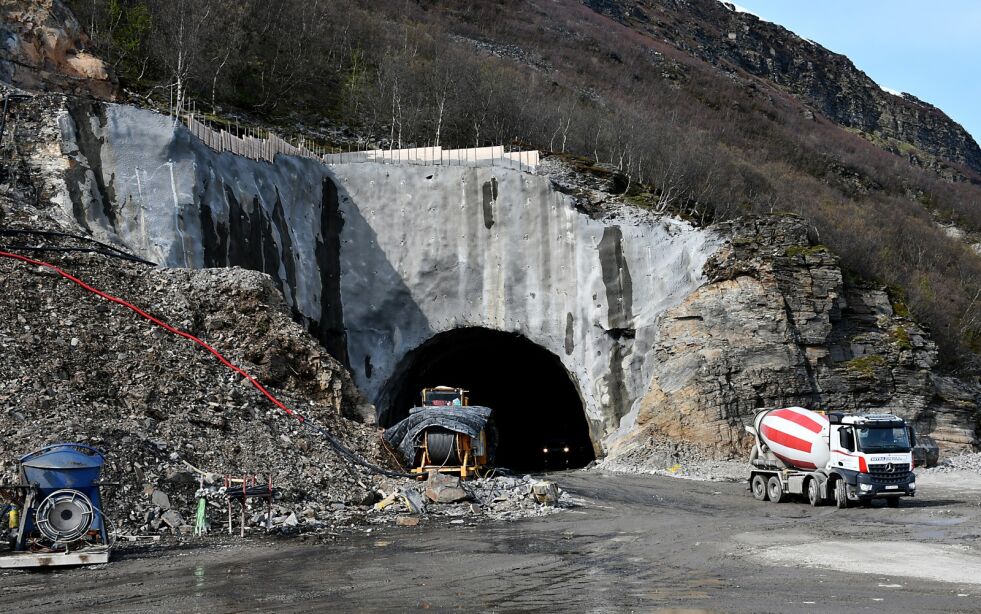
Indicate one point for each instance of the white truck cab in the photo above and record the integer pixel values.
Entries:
(873, 455)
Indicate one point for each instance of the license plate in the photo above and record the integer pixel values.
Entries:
(892, 487)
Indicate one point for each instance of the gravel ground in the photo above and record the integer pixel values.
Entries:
(633, 543)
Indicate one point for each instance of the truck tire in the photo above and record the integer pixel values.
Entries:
(759, 487)
(841, 494)
(814, 493)
(892, 501)
(774, 489)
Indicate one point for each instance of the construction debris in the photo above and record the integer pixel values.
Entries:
(445, 488)
(170, 418)
(545, 492)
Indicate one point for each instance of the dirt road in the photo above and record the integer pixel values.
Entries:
(634, 543)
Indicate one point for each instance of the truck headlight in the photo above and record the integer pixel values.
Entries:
(865, 487)
(912, 485)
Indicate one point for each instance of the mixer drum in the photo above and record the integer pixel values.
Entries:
(65, 515)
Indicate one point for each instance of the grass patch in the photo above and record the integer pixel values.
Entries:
(901, 337)
(865, 366)
(799, 250)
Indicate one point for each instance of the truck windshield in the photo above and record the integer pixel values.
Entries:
(883, 439)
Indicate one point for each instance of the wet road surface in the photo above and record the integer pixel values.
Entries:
(634, 543)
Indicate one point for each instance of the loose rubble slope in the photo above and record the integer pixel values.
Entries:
(74, 367)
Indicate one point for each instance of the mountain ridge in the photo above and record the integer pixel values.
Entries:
(827, 81)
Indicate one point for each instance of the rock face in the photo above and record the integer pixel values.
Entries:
(44, 49)
(826, 81)
(777, 326)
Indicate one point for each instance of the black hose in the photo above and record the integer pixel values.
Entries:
(52, 233)
(352, 457)
(14, 248)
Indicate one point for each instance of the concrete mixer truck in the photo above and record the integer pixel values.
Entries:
(831, 457)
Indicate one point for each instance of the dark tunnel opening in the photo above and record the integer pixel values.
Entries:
(538, 413)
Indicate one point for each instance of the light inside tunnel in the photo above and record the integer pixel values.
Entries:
(538, 413)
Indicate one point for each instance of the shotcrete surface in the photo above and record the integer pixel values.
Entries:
(377, 259)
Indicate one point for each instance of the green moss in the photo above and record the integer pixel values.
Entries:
(897, 296)
(865, 366)
(901, 336)
(800, 250)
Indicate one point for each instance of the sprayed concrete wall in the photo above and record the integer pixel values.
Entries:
(377, 259)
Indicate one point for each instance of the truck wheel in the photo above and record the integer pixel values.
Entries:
(774, 489)
(892, 501)
(759, 487)
(841, 494)
(814, 493)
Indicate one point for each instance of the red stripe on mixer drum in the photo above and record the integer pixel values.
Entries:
(794, 443)
(792, 416)
(796, 462)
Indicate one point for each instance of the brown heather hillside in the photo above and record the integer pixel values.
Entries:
(708, 113)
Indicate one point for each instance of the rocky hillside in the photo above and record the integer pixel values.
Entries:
(827, 82)
(673, 328)
(705, 112)
(778, 324)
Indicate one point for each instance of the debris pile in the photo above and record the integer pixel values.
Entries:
(174, 422)
(963, 462)
(74, 367)
(497, 498)
(678, 459)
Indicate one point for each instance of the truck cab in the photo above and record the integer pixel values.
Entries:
(872, 455)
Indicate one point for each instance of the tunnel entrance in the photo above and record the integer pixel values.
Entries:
(538, 413)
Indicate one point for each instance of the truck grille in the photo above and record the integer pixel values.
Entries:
(881, 474)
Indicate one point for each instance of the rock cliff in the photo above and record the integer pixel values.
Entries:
(829, 83)
(778, 325)
(44, 48)
(667, 331)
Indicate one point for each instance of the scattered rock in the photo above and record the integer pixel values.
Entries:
(413, 501)
(172, 519)
(444, 488)
(545, 492)
(160, 499)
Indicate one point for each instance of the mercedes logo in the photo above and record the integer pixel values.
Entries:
(890, 468)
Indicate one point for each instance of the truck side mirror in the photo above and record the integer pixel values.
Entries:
(912, 436)
(845, 439)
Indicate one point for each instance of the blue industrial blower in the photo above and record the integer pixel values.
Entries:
(60, 507)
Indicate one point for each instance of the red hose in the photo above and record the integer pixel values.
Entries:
(163, 325)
